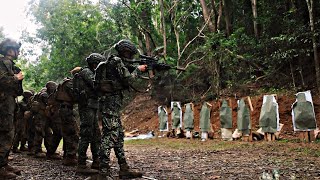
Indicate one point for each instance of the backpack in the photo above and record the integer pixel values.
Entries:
(65, 91)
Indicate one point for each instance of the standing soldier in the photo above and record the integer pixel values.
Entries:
(21, 123)
(10, 87)
(40, 123)
(53, 120)
(70, 130)
(88, 108)
(112, 77)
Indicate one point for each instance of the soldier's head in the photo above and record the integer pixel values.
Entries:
(27, 94)
(10, 48)
(94, 59)
(51, 86)
(126, 49)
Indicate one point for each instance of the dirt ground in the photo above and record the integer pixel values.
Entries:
(171, 158)
(163, 158)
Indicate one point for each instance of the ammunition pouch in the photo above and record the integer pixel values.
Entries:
(109, 86)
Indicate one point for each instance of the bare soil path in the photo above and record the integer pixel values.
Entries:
(164, 158)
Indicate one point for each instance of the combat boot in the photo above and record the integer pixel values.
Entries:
(126, 173)
(12, 169)
(5, 174)
(70, 161)
(83, 169)
(95, 164)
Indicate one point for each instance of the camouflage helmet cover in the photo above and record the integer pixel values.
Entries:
(27, 94)
(7, 44)
(95, 58)
(126, 45)
(51, 85)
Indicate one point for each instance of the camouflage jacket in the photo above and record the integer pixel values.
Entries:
(87, 76)
(114, 75)
(9, 84)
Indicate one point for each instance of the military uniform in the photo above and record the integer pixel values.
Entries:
(40, 122)
(112, 77)
(53, 120)
(21, 123)
(10, 88)
(88, 105)
(70, 130)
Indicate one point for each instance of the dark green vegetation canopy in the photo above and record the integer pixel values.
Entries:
(225, 44)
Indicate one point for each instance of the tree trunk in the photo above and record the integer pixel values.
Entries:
(163, 29)
(219, 14)
(314, 43)
(226, 6)
(255, 16)
(206, 15)
(215, 14)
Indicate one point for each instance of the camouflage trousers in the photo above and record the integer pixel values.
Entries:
(7, 106)
(54, 136)
(112, 134)
(70, 130)
(89, 133)
(42, 132)
(20, 132)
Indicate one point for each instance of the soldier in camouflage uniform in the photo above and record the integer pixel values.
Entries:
(21, 123)
(70, 130)
(10, 87)
(88, 108)
(112, 77)
(40, 123)
(53, 120)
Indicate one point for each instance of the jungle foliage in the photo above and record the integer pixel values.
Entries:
(227, 46)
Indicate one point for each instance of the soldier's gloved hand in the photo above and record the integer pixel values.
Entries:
(142, 68)
(19, 76)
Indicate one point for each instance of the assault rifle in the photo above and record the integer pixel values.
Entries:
(153, 65)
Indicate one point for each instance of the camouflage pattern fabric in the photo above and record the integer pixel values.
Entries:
(303, 113)
(8, 90)
(163, 118)
(243, 117)
(188, 118)
(225, 115)
(89, 128)
(70, 130)
(268, 115)
(20, 125)
(54, 123)
(40, 121)
(112, 134)
(205, 118)
(115, 71)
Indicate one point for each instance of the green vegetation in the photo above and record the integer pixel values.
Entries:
(226, 45)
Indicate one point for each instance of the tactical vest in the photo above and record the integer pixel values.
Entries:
(111, 75)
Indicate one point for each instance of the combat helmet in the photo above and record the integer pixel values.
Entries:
(95, 58)
(7, 44)
(51, 86)
(27, 94)
(126, 45)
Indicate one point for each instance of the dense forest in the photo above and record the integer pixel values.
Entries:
(226, 46)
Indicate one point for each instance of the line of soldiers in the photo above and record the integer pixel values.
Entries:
(49, 115)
